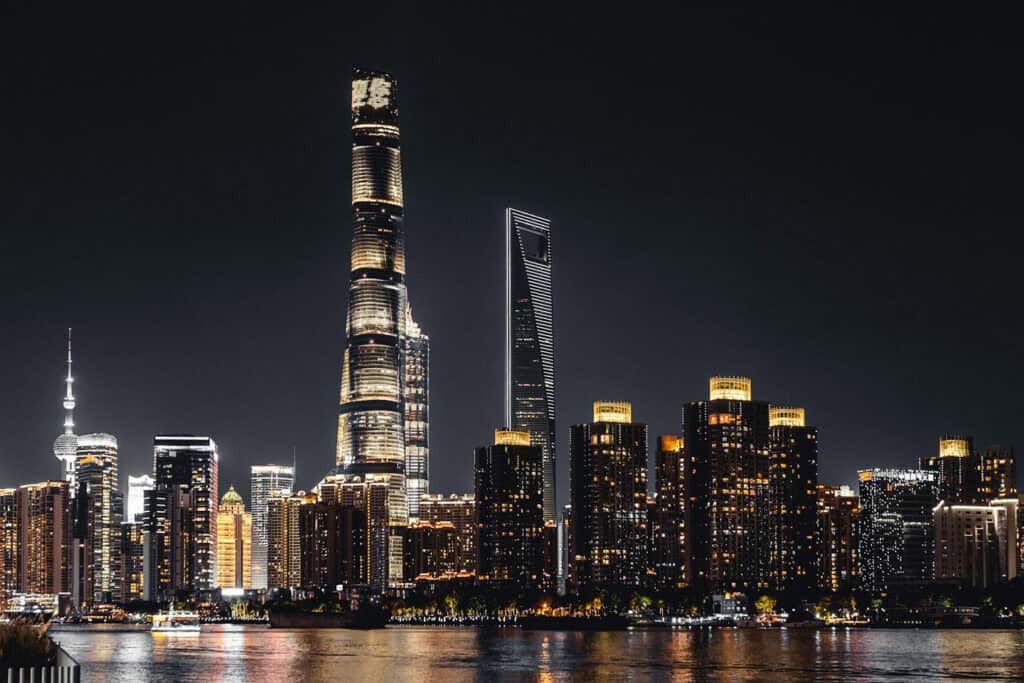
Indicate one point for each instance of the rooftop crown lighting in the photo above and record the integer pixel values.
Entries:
(730, 388)
(613, 411)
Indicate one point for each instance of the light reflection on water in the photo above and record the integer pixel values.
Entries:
(247, 653)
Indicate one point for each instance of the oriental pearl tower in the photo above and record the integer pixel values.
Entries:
(66, 445)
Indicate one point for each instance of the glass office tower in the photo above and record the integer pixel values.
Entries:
(529, 339)
(267, 480)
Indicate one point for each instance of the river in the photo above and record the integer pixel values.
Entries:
(444, 654)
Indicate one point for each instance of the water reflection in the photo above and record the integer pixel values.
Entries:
(237, 653)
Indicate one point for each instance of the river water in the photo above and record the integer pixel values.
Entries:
(443, 654)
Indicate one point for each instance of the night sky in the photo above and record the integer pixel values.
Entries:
(826, 202)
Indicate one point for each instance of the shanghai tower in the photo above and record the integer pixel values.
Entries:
(371, 419)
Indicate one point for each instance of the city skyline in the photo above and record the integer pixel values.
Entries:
(854, 369)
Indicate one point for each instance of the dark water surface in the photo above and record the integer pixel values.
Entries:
(439, 655)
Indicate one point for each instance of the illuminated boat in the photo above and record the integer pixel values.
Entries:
(175, 622)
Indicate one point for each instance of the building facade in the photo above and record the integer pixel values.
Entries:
(44, 537)
(838, 510)
(510, 512)
(284, 561)
(460, 512)
(529, 339)
(135, 508)
(9, 540)
(133, 561)
(897, 542)
(266, 480)
(96, 474)
(671, 518)
(727, 441)
(793, 543)
(333, 544)
(234, 542)
(181, 516)
(976, 544)
(608, 494)
(416, 390)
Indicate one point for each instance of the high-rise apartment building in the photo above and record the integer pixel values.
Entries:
(66, 446)
(996, 473)
(96, 474)
(284, 562)
(976, 543)
(529, 339)
(727, 440)
(608, 494)
(953, 465)
(234, 542)
(44, 537)
(133, 561)
(333, 541)
(460, 512)
(8, 545)
(181, 516)
(510, 511)
(897, 542)
(838, 524)
(416, 389)
(135, 509)
(267, 480)
(671, 527)
(371, 499)
(793, 543)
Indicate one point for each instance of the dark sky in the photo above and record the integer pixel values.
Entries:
(826, 202)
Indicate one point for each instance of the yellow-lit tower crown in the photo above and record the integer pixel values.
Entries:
(613, 411)
(730, 388)
(779, 416)
(510, 437)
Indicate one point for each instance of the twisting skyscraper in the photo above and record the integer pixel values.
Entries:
(529, 339)
(372, 445)
(65, 448)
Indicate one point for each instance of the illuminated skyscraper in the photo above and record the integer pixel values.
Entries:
(234, 542)
(727, 444)
(897, 541)
(135, 510)
(97, 476)
(284, 566)
(64, 448)
(671, 534)
(976, 543)
(460, 512)
(608, 493)
(181, 516)
(44, 537)
(267, 480)
(372, 445)
(953, 465)
(793, 543)
(510, 512)
(8, 545)
(529, 339)
(416, 359)
(838, 524)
